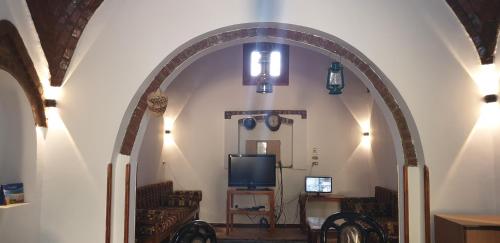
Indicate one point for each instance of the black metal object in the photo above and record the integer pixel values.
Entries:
(195, 231)
(50, 103)
(344, 222)
(490, 98)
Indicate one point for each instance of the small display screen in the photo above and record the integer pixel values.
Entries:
(319, 184)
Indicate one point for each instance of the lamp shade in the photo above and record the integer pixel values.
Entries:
(335, 78)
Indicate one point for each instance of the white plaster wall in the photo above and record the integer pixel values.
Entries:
(497, 167)
(197, 101)
(419, 45)
(150, 168)
(18, 162)
(384, 154)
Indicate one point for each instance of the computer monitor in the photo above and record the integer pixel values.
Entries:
(319, 184)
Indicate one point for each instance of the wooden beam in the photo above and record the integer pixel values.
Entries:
(427, 206)
(109, 194)
(127, 203)
(406, 209)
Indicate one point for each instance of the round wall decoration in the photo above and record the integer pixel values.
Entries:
(273, 122)
(249, 123)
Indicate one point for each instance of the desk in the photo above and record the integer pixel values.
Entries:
(304, 198)
(230, 211)
(467, 228)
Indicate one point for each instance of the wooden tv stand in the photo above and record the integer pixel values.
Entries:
(231, 211)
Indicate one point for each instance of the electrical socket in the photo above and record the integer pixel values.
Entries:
(315, 150)
(315, 163)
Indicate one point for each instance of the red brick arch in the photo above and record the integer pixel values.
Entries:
(323, 43)
(14, 59)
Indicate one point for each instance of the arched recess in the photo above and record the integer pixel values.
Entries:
(403, 128)
(14, 59)
(329, 44)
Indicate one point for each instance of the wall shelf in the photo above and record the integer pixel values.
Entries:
(13, 205)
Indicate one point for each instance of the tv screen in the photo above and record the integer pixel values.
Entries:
(251, 170)
(319, 184)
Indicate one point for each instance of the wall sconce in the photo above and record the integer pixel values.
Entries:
(50, 103)
(263, 84)
(335, 78)
(366, 140)
(490, 98)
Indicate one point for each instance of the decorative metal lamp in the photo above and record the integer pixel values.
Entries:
(335, 78)
(263, 84)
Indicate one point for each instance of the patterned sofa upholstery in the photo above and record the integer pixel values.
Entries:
(161, 211)
(383, 208)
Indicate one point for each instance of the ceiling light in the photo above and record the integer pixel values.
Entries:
(263, 84)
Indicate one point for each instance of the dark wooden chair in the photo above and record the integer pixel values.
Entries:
(196, 231)
(352, 228)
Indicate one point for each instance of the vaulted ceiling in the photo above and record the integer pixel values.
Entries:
(60, 24)
(481, 19)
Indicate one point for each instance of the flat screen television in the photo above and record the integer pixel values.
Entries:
(319, 184)
(251, 170)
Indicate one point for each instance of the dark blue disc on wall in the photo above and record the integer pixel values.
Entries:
(249, 123)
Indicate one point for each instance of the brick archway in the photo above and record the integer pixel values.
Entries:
(323, 43)
(14, 59)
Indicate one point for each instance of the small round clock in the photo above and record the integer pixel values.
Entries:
(273, 122)
(249, 123)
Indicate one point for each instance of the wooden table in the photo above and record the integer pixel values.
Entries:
(458, 228)
(304, 198)
(230, 211)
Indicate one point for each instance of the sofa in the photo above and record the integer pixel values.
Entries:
(160, 211)
(383, 208)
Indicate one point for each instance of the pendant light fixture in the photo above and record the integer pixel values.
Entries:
(335, 78)
(264, 86)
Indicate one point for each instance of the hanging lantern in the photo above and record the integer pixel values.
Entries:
(157, 102)
(335, 78)
(263, 84)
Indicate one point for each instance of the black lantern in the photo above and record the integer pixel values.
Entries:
(263, 84)
(335, 78)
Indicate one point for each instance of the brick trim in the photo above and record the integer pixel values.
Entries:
(301, 113)
(60, 25)
(14, 59)
(320, 42)
(481, 21)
